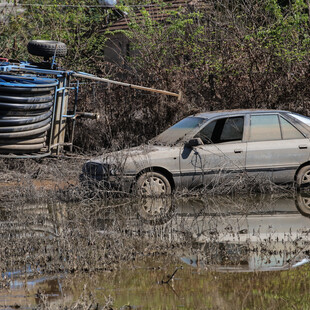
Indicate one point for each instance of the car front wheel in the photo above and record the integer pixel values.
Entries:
(153, 184)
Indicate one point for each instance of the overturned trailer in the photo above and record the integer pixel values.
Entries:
(34, 103)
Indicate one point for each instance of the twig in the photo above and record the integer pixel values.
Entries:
(171, 277)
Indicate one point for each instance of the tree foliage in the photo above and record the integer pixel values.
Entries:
(74, 22)
(221, 54)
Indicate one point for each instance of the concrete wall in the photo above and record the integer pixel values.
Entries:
(116, 49)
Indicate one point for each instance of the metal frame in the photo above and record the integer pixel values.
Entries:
(63, 77)
(25, 67)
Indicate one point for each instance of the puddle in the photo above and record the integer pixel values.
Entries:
(164, 253)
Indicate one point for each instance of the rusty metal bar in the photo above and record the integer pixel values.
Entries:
(154, 90)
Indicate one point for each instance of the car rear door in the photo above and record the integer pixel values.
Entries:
(275, 148)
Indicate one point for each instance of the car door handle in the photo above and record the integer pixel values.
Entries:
(238, 151)
(302, 147)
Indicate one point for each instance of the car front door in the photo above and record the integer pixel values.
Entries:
(222, 153)
(275, 148)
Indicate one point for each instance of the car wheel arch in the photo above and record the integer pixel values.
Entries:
(299, 168)
(161, 170)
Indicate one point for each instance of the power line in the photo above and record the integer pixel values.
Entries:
(68, 5)
(54, 5)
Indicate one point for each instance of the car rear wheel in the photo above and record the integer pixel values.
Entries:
(303, 177)
(153, 184)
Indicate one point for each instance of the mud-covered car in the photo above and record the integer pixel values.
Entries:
(210, 146)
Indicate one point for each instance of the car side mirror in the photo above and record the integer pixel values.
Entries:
(193, 142)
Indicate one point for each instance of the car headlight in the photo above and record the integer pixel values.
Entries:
(113, 169)
(96, 170)
(99, 171)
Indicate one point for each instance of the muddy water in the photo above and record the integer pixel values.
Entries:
(195, 253)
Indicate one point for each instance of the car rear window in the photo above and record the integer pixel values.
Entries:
(289, 131)
(303, 119)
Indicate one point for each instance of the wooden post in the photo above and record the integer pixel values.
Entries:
(60, 123)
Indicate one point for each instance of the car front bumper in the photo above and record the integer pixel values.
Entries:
(105, 176)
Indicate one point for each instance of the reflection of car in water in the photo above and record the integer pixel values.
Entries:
(202, 148)
(244, 234)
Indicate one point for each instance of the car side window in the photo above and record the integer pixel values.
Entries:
(289, 131)
(205, 134)
(265, 128)
(222, 130)
(232, 130)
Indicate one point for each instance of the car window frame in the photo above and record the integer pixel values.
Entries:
(263, 114)
(281, 132)
(279, 117)
(244, 116)
(303, 128)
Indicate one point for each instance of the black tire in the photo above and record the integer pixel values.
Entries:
(47, 48)
(153, 184)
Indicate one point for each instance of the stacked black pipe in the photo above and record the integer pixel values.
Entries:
(26, 108)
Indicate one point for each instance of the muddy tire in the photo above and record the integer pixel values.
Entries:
(153, 184)
(303, 177)
(47, 48)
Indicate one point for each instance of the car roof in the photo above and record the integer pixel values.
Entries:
(211, 114)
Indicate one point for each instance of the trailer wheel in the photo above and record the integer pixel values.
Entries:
(47, 48)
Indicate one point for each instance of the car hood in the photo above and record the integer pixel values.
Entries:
(137, 158)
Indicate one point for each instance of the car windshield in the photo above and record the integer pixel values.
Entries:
(303, 119)
(179, 131)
